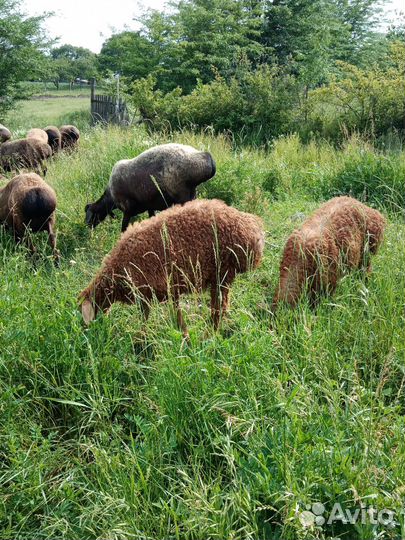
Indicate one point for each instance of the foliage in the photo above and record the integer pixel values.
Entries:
(368, 101)
(23, 45)
(202, 37)
(256, 105)
(128, 53)
(69, 63)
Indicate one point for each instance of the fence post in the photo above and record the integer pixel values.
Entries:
(93, 88)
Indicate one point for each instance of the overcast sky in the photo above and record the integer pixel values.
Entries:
(88, 23)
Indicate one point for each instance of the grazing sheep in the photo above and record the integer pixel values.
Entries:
(5, 134)
(340, 235)
(70, 136)
(27, 202)
(24, 154)
(200, 245)
(38, 135)
(159, 177)
(54, 138)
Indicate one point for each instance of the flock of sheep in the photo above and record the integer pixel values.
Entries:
(192, 244)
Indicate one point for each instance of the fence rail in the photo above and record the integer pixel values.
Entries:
(108, 109)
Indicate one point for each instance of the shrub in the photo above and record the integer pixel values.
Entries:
(255, 106)
(369, 176)
(370, 102)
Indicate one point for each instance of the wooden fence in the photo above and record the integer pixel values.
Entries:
(107, 109)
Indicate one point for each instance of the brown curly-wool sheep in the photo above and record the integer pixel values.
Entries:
(54, 138)
(200, 245)
(70, 136)
(38, 135)
(27, 202)
(24, 154)
(5, 134)
(339, 236)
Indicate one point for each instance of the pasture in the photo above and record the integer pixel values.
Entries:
(108, 434)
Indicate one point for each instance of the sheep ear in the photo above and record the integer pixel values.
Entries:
(88, 313)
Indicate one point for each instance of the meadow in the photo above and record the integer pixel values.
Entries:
(236, 435)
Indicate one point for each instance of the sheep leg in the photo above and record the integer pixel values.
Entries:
(219, 303)
(145, 308)
(180, 321)
(125, 221)
(44, 168)
(52, 243)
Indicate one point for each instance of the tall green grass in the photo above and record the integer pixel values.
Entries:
(232, 436)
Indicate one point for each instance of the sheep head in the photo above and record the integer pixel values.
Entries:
(88, 312)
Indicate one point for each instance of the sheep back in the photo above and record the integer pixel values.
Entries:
(5, 134)
(23, 153)
(194, 246)
(70, 136)
(27, 200)
(337, 236)
(54, 138)
(172, 170)
(38, 135)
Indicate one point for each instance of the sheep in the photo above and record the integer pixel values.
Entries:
(5, 134)
(27, 202)
(38, 135)
(339, 236)
(70, 136)
(54, 138)
(24, 154)
(159, 177)
(200, 245)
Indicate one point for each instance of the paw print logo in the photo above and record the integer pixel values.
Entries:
(313, 515)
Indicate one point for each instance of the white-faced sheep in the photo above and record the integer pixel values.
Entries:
(200, 245)
(70, 136)
(339, 236)
(38, 135)
(5, 134)
(27, 202)
(54, 138)
(28, 154)
(156, 179)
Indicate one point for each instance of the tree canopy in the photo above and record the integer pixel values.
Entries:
(69, 63)
(23, 48)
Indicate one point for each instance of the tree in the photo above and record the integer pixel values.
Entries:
(70, 63)
(129, 53)
(310, 35)
(23, 48)
(204, 37)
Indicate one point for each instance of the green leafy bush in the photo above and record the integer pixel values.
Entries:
(369, 101)
(255, 106)
(367, 175)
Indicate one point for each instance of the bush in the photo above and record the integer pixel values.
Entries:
(370, 102)
(372, 177)
(255, 106)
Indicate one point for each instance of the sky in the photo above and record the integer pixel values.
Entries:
(88, 23)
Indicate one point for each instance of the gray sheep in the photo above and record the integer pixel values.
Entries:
(156, 179)
(24, 154)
